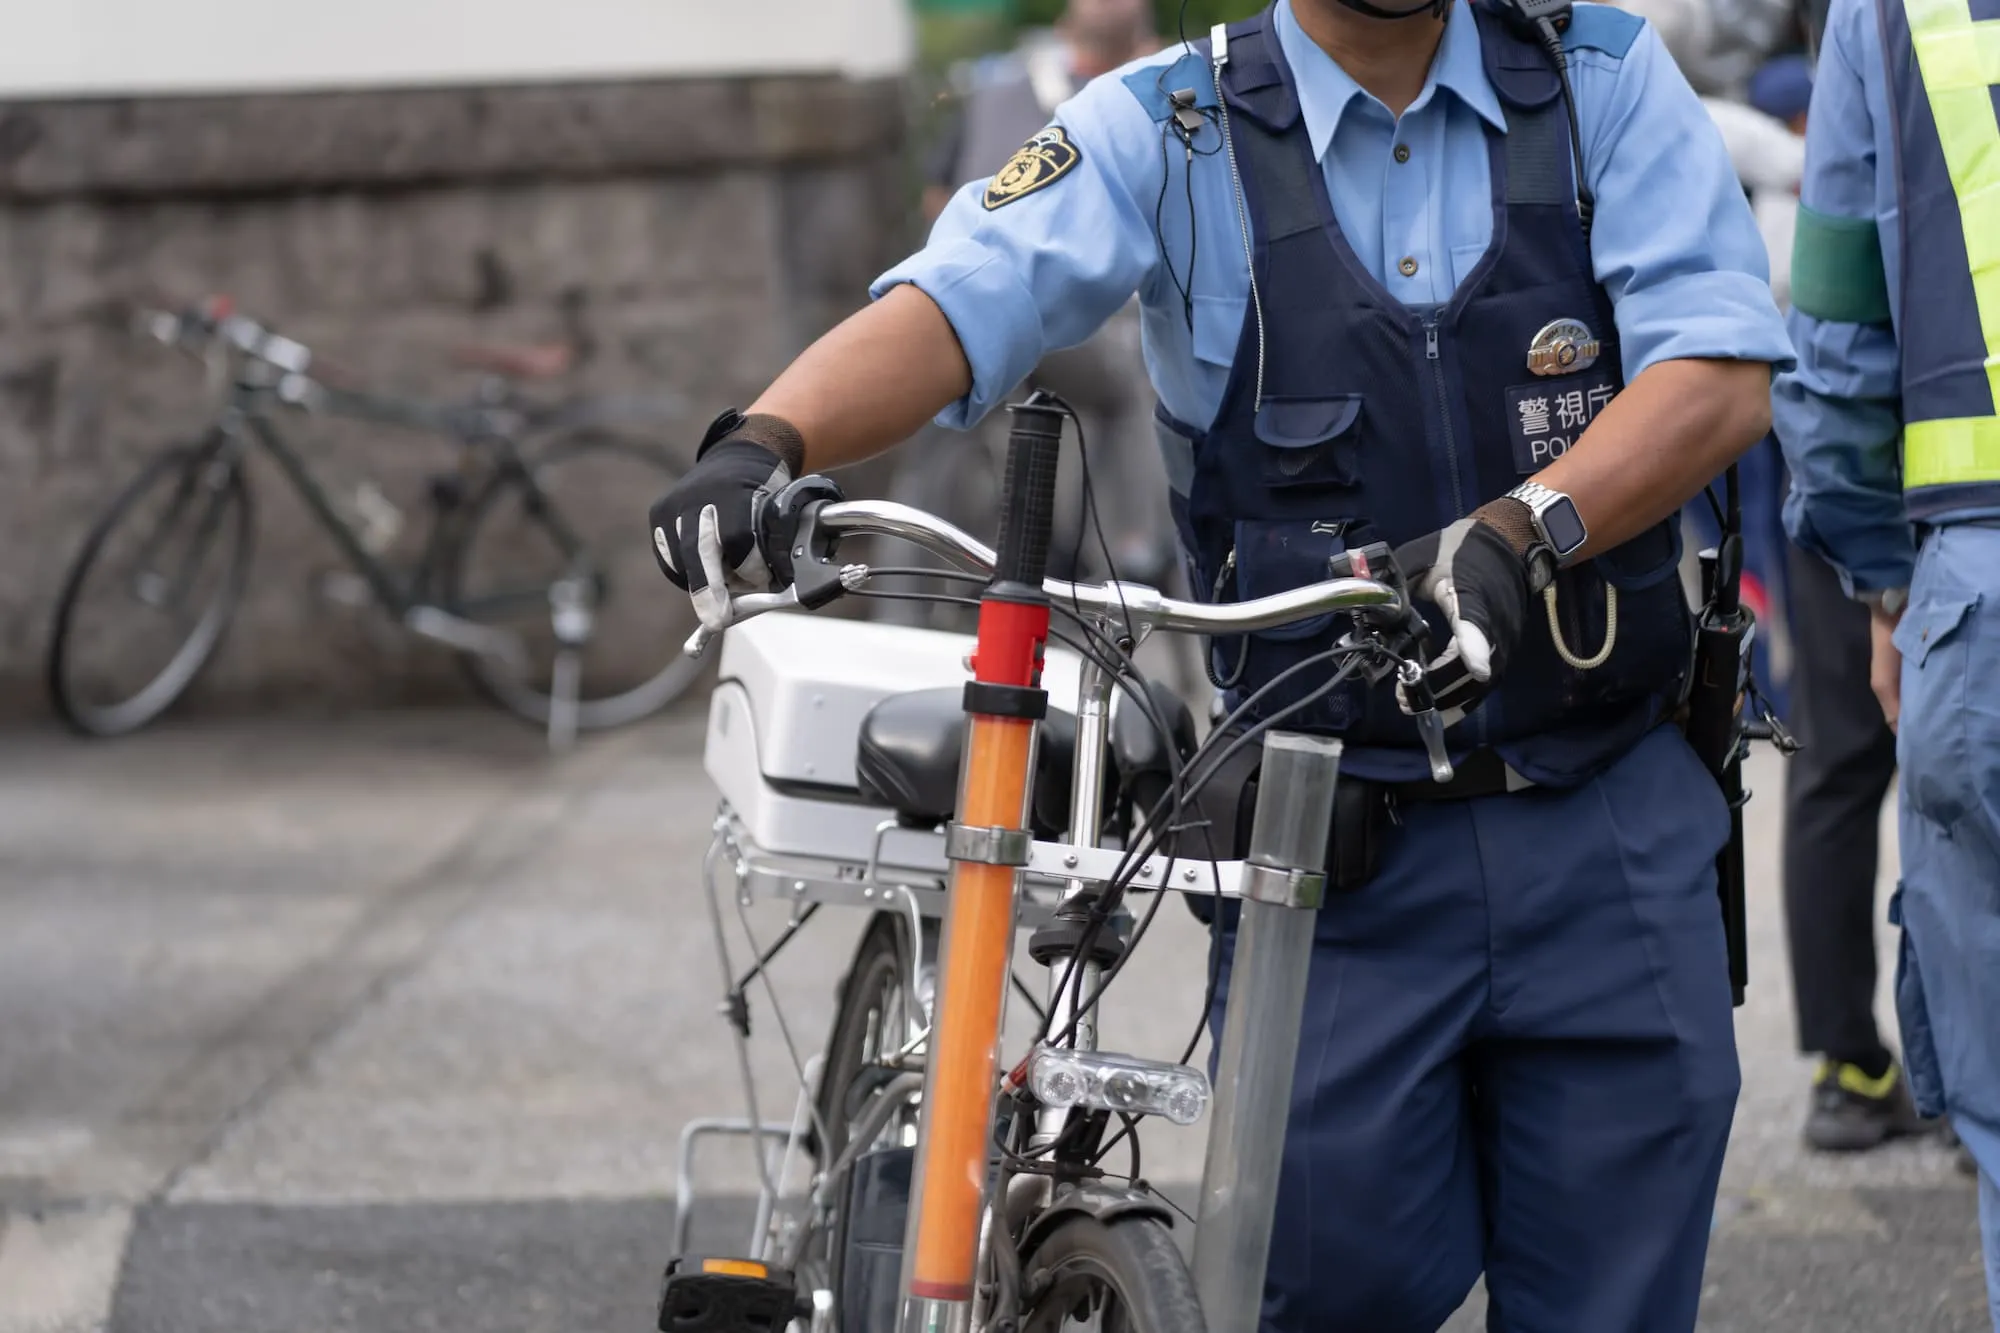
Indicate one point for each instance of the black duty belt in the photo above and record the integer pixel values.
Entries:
(1481, 773)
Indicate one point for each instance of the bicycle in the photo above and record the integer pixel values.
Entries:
(509, 574)
(918, 1184)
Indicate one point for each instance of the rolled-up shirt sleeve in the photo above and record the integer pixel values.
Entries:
(1020, 272)
(1673, 241)
(1838, 416)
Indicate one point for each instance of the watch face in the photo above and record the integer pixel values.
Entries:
(1563, 525)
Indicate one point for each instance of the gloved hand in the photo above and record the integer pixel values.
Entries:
(706, 529)
(1478, 572)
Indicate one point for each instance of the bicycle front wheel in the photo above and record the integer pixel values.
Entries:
(150, 594)
(1121, 1276)
(579, 529)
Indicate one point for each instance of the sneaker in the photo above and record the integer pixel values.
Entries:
(1852, 1112)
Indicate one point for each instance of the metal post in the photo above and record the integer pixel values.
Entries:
(1086, 815)
(1282, 886)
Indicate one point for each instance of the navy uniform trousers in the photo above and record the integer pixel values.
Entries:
(1517, 1056)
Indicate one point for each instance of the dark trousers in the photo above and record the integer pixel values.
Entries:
(1834, 788)
(1517, 1056)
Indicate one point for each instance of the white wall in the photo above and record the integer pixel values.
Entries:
(110, 47)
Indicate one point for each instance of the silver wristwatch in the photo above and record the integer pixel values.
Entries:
(1556, 520)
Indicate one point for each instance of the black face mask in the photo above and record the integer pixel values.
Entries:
(1435, 9)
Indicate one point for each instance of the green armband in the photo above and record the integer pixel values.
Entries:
(1837, 269)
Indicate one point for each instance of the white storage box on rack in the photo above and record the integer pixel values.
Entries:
(786, 714)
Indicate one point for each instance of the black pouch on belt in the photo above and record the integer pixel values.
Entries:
(1361, 818)
(1226, 805)
(1218, 826)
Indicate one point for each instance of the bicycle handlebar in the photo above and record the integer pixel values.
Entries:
(1143, 606)
(886, 518)
(217, 323)
(204, 328)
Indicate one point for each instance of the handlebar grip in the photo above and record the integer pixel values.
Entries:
(1028, 492)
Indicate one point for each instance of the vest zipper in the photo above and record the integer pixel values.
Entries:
(1242, 209)
(1444, 412)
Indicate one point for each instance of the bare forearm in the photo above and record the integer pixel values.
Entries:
(1673, 430)
(872, 381)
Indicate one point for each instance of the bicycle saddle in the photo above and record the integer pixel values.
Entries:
(908, 758)
(527, 361)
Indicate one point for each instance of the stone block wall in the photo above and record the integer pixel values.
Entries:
(687, 236)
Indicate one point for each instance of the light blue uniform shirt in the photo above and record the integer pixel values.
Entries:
(1839, 415)
(1673, 243)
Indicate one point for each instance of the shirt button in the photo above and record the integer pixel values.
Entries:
(1408, 268)
(1402, 152)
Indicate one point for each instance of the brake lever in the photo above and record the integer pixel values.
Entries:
(741, 609)
(803, 595)
(1423, 707)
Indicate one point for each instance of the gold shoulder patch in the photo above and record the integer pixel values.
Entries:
(1040, 162)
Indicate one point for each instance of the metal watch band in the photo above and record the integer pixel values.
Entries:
(1538, 498)
(1534, 495)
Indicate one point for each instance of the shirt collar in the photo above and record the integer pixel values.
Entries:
(1326, 90)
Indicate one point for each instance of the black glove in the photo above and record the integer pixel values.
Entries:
(705, 530)
(1481, 572)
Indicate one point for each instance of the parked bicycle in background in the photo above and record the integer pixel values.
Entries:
(525, 568)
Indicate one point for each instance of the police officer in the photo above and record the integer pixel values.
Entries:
(1373, 312)
(1891, 424)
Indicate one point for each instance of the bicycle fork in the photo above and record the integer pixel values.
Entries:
(988, 847)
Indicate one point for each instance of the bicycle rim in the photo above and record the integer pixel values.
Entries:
(874, 1022)
(510, 554)
(199, 535)
(880, 1014)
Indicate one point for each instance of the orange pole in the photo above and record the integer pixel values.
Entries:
(978, 941)
(1004, 701)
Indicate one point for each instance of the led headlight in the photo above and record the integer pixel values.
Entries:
(1061, 1078)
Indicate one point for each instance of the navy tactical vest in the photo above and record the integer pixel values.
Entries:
(1361, 419)
(1943, 97)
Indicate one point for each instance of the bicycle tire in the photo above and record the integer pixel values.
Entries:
(883, 965)
(1133, 1260)
(195, 652)
(652, 599)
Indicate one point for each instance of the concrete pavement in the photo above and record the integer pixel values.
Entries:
(394, 1023)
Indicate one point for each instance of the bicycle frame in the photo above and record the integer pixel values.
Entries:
(412, 597)
(959, 1234)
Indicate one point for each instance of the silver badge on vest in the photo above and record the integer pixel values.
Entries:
(1562, 346)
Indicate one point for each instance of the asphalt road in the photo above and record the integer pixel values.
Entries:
(393, 1023)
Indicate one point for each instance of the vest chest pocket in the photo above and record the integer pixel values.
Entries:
(1309, 443)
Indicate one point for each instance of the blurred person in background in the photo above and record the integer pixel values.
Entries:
(1003, 99)
(1719, 44)
(1835, 785)
(1891, 424)
(1000, 102)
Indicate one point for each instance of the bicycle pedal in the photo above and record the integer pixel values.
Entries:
(707, 1295)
